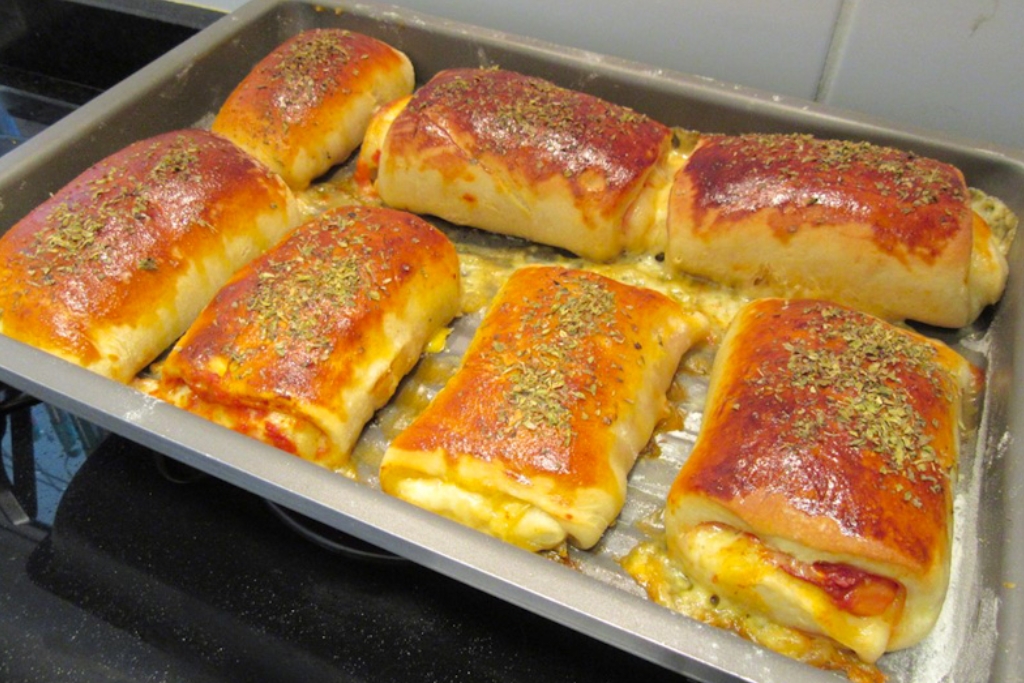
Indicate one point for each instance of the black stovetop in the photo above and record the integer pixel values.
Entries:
(194, 579)
(119, 565)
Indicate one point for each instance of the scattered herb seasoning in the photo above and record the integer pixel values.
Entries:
(915, 180)
(546, 129)
(308, 70)
(856, 364)
(842, 180)
(298, 290)
(549, 342)
(181, 159)
(90, 222)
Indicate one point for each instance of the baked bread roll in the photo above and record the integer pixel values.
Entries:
(111, 269)
(882, 230)
(819, 492)
(304, 108)
(516, 155)
(561, 387)
(302, 346)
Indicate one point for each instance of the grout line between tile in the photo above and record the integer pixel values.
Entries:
(833, 58)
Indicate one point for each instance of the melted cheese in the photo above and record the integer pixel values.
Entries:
(503, 516)
(987, 274)
(644, 224)
(666, 583)
(744, 570)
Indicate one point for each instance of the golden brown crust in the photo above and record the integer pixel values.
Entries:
(549, 359)
(915, 206)
(540, 129)
(560, 388)
(111, 252)
(534, 141)
(873, 227)
(833, 436)
(322, 327)
(832, 429)
(304, 107)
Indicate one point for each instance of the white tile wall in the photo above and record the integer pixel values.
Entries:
(779, 45)
(952, 66)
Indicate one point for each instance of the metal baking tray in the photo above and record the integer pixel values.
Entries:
(979, 636)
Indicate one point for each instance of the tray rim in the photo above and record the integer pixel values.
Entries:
(653, 633)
